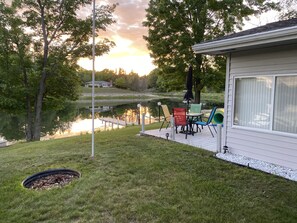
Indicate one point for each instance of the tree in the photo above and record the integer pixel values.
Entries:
(153, 78)
(41, 41)
(105, 75)
(289, 9)
(174, 26)
(121, 82)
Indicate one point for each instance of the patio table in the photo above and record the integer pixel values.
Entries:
(190, 117)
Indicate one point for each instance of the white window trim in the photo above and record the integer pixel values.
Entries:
(266, 131)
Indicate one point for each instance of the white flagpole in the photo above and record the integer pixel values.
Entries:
(93, 82)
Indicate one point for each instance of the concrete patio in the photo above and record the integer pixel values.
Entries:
(201, 139)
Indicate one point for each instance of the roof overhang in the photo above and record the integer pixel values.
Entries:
(252, 41)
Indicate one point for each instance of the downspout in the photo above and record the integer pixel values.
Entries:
(226, 114)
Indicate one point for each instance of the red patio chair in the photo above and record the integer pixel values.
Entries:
(180, 119)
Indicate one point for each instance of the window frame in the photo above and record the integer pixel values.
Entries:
(273, 87)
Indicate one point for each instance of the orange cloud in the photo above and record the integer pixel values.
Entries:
(130, 52)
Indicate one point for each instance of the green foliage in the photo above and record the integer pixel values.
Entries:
(121, 83)
(104, 75)
(153, 78)
(175, 26)
(288, 9)
(170, 82)
(40, 43)
(121, 80)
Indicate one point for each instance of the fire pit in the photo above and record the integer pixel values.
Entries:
(54, 178)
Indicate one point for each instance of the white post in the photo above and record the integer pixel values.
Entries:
(172, 127)
(143, 123)
(118, 122)
(219, 138)
(138, 112)
(93, 80)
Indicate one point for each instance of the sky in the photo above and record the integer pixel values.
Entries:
(130, 52)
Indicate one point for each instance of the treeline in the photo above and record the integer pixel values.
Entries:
(119, 79)
(154, 81)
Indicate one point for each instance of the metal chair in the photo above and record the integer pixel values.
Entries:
(180, 119)
(208, 122)
(166, 114)
(195, 108)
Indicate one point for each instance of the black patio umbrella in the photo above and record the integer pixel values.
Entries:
(189, 84)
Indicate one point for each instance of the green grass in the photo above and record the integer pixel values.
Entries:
(212, 98)
(205, 97)
(123, 97)
(112, 90)
(114, 93)
(139, 179)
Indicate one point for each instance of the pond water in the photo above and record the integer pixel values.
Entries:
(76, 118)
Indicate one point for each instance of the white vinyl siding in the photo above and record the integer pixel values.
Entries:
(270, 146)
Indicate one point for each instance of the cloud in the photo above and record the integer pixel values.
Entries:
(125, 56)
(130, 52)
(129, 17)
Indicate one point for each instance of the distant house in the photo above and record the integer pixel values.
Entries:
(3, 141)
(98, 84)
(261, 91)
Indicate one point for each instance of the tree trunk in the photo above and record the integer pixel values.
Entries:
(197, 96)
(38, 107)
(29, 115)
(42, 84)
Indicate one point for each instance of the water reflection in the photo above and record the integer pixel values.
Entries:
(75, 119)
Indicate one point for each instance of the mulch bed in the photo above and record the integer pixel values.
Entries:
(52, 181)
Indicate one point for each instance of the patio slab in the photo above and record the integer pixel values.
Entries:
(203, 139)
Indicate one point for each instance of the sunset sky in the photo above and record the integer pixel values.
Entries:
(130, 52)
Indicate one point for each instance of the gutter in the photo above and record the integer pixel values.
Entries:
(227, 45)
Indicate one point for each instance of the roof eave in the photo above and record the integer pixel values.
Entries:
(243, 42)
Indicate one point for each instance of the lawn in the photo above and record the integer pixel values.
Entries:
(107, 90)
(139, 179)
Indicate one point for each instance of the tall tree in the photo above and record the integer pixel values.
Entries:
(174, 26)
(289, 9)
(41, 41)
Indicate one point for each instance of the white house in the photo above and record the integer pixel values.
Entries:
(261, 91)
(98, 84)
(3, 142)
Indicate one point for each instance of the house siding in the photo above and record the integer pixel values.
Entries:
(268, 146)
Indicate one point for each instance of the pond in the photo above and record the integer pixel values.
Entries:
(76, 118)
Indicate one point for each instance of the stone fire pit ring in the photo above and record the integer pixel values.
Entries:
(51, 178)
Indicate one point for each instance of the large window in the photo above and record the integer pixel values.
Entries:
(266, 102)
